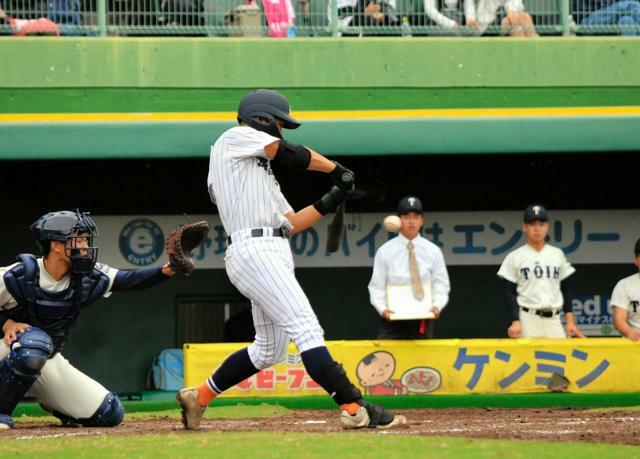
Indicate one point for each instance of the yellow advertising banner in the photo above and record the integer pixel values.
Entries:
(441, 366)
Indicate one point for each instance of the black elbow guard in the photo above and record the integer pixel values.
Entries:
(293, 155)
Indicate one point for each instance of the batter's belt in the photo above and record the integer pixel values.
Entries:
(259, 232)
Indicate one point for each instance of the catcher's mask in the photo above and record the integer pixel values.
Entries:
(259, 109)
(76, 230)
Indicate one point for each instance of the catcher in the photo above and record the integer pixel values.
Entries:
(40, 301)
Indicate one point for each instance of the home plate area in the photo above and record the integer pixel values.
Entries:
(555, 424)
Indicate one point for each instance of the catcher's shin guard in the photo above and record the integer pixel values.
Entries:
(20, 369)
(5, 422)
(110, 413)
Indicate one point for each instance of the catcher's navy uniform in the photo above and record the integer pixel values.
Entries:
(33, 363)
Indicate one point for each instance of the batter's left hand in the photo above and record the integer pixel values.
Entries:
(436, 311)
(572, 330)
(342, 177)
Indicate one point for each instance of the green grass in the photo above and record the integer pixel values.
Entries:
(367, 443)
(306, 445)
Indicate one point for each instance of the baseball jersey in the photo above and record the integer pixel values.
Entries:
(241, 182)
(391, 267)
(537, 275)
(626, 295)
(48, 283)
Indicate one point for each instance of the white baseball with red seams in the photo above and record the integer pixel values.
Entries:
(392, 223)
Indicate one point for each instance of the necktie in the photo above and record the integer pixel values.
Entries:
(416, 281)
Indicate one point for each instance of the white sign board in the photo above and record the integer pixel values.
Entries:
(466, 238)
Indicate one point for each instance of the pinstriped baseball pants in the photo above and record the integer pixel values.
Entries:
(262, 269)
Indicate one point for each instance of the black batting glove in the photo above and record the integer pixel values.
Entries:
(342, 177)
(330, 201)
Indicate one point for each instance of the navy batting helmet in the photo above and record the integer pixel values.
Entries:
(67, 226)
(261, 107)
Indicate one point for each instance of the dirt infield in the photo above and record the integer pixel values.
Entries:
(543, 424)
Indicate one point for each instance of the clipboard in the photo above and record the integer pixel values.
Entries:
(405, 306)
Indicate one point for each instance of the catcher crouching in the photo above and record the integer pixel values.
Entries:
(41, 298)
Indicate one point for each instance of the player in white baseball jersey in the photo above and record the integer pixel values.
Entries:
(40, 301)
(625, 300)
(537, 286)
(258, 220)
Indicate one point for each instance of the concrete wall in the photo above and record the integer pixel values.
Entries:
(88, 75)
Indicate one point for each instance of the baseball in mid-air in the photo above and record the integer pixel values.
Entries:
(392, 223)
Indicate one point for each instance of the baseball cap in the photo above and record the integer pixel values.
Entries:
(637, 250)
(409, 204)
(535, 212)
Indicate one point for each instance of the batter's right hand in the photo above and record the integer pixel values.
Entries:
(330, 201)
(515, 330)
(11, 329)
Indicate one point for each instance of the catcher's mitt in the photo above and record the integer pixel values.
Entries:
(181, 242)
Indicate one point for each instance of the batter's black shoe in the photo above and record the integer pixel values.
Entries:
(373, 416)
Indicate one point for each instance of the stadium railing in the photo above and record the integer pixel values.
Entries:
(312, 18)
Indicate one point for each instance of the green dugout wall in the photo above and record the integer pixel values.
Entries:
(421, 92)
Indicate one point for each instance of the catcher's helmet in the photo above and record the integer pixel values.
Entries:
(266, 104)
(67, 226)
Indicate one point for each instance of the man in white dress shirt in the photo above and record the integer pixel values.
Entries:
(391, 267)
(625, 300)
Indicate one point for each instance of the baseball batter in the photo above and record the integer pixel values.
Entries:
(625, 300)
(40, 301)
(258, 260)
(537, 286)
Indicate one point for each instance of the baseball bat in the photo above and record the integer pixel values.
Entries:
(335, 229)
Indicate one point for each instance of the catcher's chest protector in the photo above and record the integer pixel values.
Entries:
(54, 312)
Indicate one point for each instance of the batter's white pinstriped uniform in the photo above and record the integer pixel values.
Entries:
(242, 185)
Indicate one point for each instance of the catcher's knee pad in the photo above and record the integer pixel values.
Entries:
(109, 414)
(29, 353)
